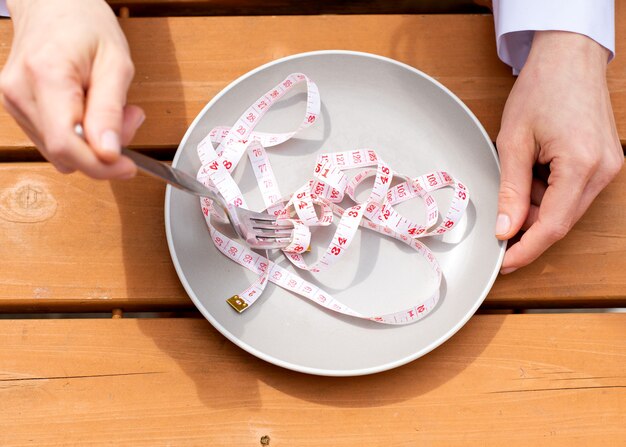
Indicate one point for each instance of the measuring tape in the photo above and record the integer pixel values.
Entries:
(333, 178)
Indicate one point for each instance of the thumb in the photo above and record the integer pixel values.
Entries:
(517, 157)
(106, 98)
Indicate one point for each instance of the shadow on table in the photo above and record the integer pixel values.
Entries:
(406, 382)
(151, 281)
(225, 375)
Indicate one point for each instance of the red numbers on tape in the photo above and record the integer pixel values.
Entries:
(325, 192)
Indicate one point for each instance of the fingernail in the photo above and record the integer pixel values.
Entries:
(110, 142)
(508, 270)
(126, 175)
(503, 224)
(140, 121)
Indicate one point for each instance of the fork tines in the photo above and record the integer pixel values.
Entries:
(271, 228)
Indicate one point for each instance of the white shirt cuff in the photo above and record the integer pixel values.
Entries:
(517, 20)
(4, 12)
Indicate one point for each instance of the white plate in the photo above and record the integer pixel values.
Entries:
(364, 97)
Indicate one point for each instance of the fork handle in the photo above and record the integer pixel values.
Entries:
(169, 174)
(173, 176)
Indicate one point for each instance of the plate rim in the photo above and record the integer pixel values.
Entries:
(269, 358)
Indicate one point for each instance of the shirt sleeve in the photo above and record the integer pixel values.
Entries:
(517, 20)
(4, 12)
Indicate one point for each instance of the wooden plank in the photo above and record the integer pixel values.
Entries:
(528, 379)
(280, 7)
(181, 63)
(71, 243)
(585, 269)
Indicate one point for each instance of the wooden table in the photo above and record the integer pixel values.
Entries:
(70, 244)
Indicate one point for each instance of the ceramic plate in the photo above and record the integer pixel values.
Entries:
(416, 125)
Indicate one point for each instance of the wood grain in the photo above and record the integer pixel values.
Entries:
(181, 63)
(71, 243)
(553, 380)
(110, 258)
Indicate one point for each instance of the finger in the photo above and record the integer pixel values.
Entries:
(517, 157)
(25, 123)
(81, 156)
(84, 159)
(537, 190)
(557, 214)
(106, 97)
(23, 120)
(134, 117)
(589, 195)
(59, 98)
(533, 215)
(63, 169)
(17, 98)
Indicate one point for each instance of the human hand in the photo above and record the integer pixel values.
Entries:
(558, 113)
(70, 64)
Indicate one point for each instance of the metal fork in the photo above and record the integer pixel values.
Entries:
(259, 230)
